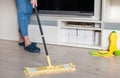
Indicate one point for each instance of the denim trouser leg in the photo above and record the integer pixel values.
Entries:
(24, 8)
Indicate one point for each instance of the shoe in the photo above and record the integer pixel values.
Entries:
(32, 48)
(23, 43)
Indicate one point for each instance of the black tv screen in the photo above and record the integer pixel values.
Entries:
(67, 7)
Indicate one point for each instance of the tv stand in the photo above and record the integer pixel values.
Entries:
(99, 26)
(71, 30)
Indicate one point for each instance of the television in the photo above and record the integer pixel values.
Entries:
(66, 7)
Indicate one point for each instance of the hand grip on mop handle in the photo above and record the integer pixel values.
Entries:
(42, 35)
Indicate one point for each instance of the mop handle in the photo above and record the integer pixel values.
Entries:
(41, 31)
(42, 35)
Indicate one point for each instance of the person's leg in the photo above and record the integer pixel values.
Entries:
(21, 39)
(24, 8)
(24, 13)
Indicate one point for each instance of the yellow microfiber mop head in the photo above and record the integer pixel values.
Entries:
(40, 70)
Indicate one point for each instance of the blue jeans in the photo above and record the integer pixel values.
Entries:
(24, 10)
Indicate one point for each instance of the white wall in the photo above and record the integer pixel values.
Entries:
(111, 9)
(8, 20)
(115, 9)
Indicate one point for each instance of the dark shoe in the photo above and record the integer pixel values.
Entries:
(23, 43)
(32, 48)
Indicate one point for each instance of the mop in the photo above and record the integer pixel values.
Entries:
(50, 69)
